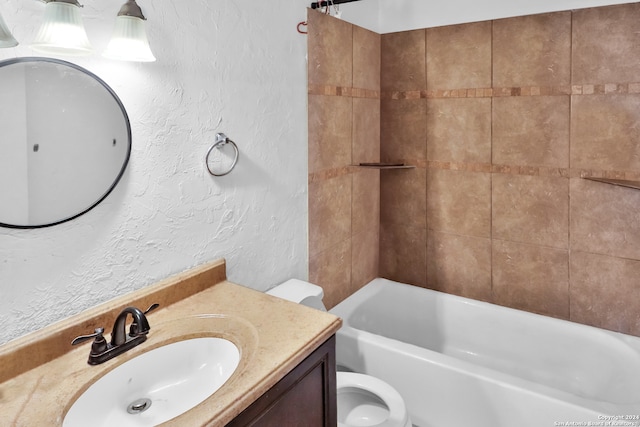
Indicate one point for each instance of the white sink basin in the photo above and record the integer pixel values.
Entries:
(157, 385)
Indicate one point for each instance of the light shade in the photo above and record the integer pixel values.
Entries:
(129, 41)
(62, 31)
(6, 38)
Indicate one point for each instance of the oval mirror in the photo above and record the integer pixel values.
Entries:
(66, 141)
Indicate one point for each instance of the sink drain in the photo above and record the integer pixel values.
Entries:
(138, 406)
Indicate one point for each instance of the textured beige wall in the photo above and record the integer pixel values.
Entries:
(234, 67)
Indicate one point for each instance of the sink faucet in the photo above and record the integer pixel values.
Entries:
(140, 326)
(101, 350)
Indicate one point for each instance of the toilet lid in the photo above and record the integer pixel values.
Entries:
(397, 410)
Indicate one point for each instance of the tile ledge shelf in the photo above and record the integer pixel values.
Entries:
(388, 166)
(619, 182)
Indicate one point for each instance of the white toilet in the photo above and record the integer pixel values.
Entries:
(363, 400)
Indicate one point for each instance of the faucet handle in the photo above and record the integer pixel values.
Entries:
(98, 347)
(152, 307)
(82, 338)
(134, 328)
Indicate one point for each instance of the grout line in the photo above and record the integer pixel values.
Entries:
(569, 251)
(426, 155)
(493, 298)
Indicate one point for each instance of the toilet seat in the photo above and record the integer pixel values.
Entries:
(377, 390)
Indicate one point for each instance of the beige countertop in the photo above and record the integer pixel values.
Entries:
(273, 336)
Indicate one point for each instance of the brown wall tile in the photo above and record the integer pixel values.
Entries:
(330, 56)
(459, 130)
(344, 201)
(364, 258)
(532, 131)
(403, 129)
(329, 213)
(403, 197)
(603, 41)
(403, 253)
(459, 202)
(459, 265)
(604, 219)
(605, 132)
(366, 59)
(331, 269)
(532, 50)
(604, 292)
(403, 59)
(329, 132)
(531, 209)
(459, 56)
(531, 278)
(521, 66)
(365, 213)
(366, 130)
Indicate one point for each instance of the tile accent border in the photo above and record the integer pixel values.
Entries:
(487, 92)
(586, 89)
(349, 92)
(488, 168)
(331, 173)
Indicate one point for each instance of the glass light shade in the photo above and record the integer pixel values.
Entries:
(6, 38)
(62, 31)
(129, 41)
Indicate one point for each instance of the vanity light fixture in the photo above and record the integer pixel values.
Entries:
(62, 31)
(129, 41)
(6, 38)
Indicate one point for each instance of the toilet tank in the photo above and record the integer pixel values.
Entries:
(300, 292)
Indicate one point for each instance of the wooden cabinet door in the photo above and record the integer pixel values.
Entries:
(305, 397)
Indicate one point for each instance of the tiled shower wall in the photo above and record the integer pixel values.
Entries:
(344, 129)
(502, 119)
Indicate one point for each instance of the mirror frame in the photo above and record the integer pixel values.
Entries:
(7, 62)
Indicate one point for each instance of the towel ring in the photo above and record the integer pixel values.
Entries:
(222, 139)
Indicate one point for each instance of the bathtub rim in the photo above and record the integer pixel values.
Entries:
(349, 332)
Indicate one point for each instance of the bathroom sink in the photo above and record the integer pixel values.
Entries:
(156, 386)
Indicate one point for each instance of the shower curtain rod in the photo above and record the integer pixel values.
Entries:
(327, 3)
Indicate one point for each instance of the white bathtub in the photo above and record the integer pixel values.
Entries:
(464, 363)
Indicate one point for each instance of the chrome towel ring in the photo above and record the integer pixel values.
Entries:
(220, 141)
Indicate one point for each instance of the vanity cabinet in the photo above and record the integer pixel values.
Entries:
(305, 397)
